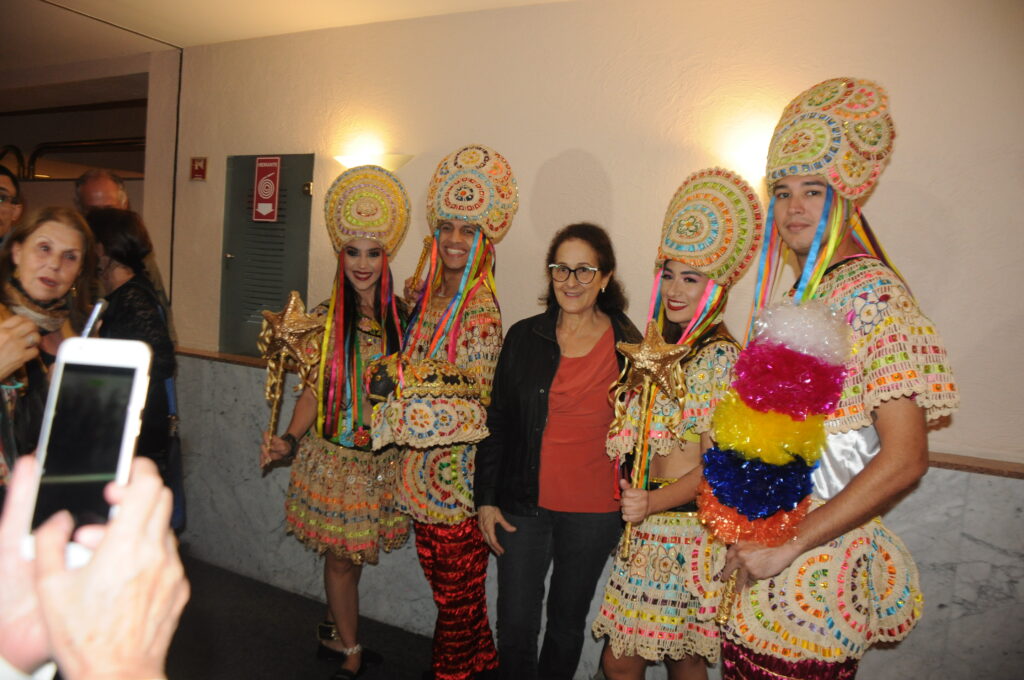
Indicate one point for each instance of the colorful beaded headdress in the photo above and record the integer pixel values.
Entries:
(714, 224)
(474, 184)
(363, 202)
(367, 202)
(840, 129)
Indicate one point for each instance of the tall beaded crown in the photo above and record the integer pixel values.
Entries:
(841, 129)
(367, 202)
(474, 184)
(714, 224)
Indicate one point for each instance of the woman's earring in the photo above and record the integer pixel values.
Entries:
(602, 289)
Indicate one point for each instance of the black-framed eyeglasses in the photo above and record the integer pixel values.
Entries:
(8, 199)
(584, 274)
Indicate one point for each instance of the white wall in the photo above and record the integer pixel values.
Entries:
(603, 107)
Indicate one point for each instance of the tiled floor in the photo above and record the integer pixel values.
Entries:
(235, 628)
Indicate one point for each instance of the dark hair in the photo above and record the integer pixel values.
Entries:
(6, 172)
(97, 173)
(81, 299)
(613, 299)
(123, 236)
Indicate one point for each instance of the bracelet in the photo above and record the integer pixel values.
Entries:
(293, 444)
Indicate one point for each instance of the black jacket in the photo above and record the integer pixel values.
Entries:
(508, 461)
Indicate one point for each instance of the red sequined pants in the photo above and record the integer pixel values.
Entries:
(740, 663)
(454, 560)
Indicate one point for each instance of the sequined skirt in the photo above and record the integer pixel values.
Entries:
(661, 602)
(833, 602)
(435, 486)
(343, 500)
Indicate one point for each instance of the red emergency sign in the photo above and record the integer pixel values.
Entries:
(266, 189)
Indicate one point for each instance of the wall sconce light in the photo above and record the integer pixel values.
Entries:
(388, 161)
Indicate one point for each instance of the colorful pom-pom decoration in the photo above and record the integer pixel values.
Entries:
(772, 377)
(775, 438)
(755, 488)
(809, 328)
(729, 526)
(770, 427)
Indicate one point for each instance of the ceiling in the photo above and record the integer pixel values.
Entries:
(52, 35)
(62, 31)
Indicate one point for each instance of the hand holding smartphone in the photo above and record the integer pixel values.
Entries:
(90, 426)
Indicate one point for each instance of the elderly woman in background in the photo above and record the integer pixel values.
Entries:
(134, 312)
(46, 269)
(545, 489)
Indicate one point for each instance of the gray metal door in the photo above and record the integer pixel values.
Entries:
(262, 261)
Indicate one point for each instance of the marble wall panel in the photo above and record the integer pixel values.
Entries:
(965, 531)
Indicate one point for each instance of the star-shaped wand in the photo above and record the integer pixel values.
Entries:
(290, 338)
(651, 366)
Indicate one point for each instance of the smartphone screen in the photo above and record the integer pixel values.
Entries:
(84, 444)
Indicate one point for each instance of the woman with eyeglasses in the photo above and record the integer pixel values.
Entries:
(545, 489)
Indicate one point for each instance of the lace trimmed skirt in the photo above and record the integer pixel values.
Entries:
(343, 500)
(833, 602)
(661, 602)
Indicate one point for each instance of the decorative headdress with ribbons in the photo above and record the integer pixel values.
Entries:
(714, 223)
(474, 184)
(363, 202)
(841, 130)
(431, 402)
(367, 202)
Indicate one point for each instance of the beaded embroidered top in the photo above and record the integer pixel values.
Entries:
(706, 374)
(479, 341)
(897, 351)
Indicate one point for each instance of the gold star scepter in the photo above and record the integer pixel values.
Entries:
(290, 338)
(651, 365)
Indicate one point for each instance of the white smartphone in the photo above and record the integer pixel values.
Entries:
(90, 425)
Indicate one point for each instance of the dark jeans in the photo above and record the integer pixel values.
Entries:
(578, 544)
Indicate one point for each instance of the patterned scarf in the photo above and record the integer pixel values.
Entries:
(48, 316)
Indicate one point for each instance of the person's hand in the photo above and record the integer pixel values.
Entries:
(19, 342)
(756, 561)
(489, 516)
(24, 642)
(114, 618)
(636, 503)
(273, 448)
(413, 289)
